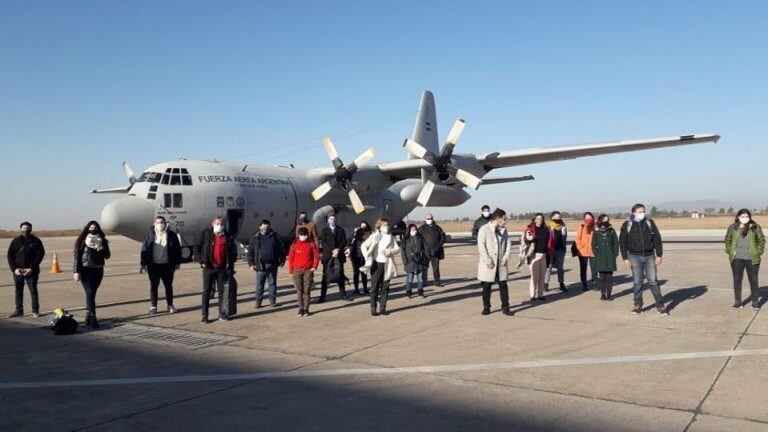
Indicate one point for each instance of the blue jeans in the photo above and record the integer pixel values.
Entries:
(644, 267)
(410, 278)
(261, 279)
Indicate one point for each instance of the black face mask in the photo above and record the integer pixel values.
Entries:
(605, 224)
(303, 219)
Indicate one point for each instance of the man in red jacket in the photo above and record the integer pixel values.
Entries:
(303, 258)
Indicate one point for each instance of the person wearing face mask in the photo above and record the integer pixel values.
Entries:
(216, 252)
(25, 253)
(745, 244)
(304, 222)
(583, 242)
(303, 259)
(160, 257)
(434, 241)
(559, 233)
(605, 245)
(485, 217)
(543, 245)
(379, 251)
(641, 249)
(90, 255)
(358, 237)
(415, 260)
(265, 255)
(495, 247)
(333, 242)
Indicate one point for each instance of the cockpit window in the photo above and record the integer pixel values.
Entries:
(151, 177)
(175, 177)
(171, 176)
(186, 179)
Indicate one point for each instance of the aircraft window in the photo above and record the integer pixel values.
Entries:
(167, 170)
(168, 200)
(153, 188)
(175, 179)
(166, 177)
(186, 180)
(151, 195)
(173, 200)
(154, 177)
(184, 171)
(143, 177)
(177, 202)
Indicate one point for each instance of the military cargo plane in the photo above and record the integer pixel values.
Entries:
(190, 193)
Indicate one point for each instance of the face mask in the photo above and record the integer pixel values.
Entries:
(502, 223)
(429, 221)
(92, 229)
(263, 230)
(218, 228)
(414, 232)
(303, 238)
(639, 216)
(331, 222)
(363, 226)
(744, 219)
(26, 231)
(605, 224)
(160, 227)
(557, 219)
(486, 213)
(384, 229)
(588, 219)
(303, 219)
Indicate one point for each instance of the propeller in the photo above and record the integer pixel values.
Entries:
(442, 164)
(342, 176)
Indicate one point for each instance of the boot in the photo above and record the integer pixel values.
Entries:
(384, 297)
(505, 310)
(373, 309)
(87, 319)
(421, 293)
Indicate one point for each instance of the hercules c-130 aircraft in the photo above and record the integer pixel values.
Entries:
(190, 193)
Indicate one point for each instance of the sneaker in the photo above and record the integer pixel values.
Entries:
(172, 309)
(16, 314)
(258, 304)
(152, 310)
(300, 313)
(35, 314)
(663, 311)
(738, 305)
(204, 320)
(563, 288)
(756, 306)
(273, 304)
(306, 313)
(637, 310)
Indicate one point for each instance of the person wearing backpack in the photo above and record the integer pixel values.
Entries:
(641, 249)
(605, 245)
(90, 254)
(379, 251)
(303, 259)
(414, 260)
(745, 244)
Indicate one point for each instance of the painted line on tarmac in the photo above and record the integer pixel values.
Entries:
(381, 370)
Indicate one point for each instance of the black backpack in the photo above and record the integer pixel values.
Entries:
(333, 271)
(64, 325)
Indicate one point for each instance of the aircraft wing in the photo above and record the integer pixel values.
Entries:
(548, 154)
(402, 170)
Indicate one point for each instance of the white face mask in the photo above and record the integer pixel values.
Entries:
(640, 216)
(159, 227)
(303, 238)
(363, 227)
(744, 219)
(429, 221)
(414, 232)
(502, 223)
(486, 213)
(218, 228)
(384, 229)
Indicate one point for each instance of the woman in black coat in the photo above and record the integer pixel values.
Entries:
(90, 254)
(358, 237)
(414, 259)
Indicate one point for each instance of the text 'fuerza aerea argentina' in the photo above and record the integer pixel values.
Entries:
(239, 179)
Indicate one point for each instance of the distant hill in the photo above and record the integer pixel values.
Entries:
(697, 205)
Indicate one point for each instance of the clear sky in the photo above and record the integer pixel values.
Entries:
(85, 85)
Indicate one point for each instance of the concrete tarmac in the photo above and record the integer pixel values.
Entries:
(572, 363)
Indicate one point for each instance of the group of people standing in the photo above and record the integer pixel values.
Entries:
(372, 252)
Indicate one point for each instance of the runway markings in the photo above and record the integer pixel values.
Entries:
(381, 370)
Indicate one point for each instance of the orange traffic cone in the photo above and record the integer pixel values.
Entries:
(55, 265)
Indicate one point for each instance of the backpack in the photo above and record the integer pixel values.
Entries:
(648, 222)
(64, 325)
(333, 271)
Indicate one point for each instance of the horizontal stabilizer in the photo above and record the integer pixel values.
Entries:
(117, 190)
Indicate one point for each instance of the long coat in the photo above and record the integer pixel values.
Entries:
(370, 248)
(488, 245)
(605, 246)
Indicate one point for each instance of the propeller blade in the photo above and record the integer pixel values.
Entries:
(321, 190)
(364, 158)
(330, 149)
(415, 148)
(468, 179)
(129, 173)
(426, 192)
(447, 150)
(357, 204)
(455, 134)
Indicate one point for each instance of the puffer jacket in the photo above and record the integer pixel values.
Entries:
(755, 237)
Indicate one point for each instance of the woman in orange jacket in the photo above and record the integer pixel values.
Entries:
(586, 255)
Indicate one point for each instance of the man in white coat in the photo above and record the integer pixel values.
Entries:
(495, 246)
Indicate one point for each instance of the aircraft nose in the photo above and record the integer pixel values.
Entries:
(129, 216)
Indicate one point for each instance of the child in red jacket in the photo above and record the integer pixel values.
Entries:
(303, 258)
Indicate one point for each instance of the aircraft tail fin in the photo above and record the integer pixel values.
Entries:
(425, 128)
